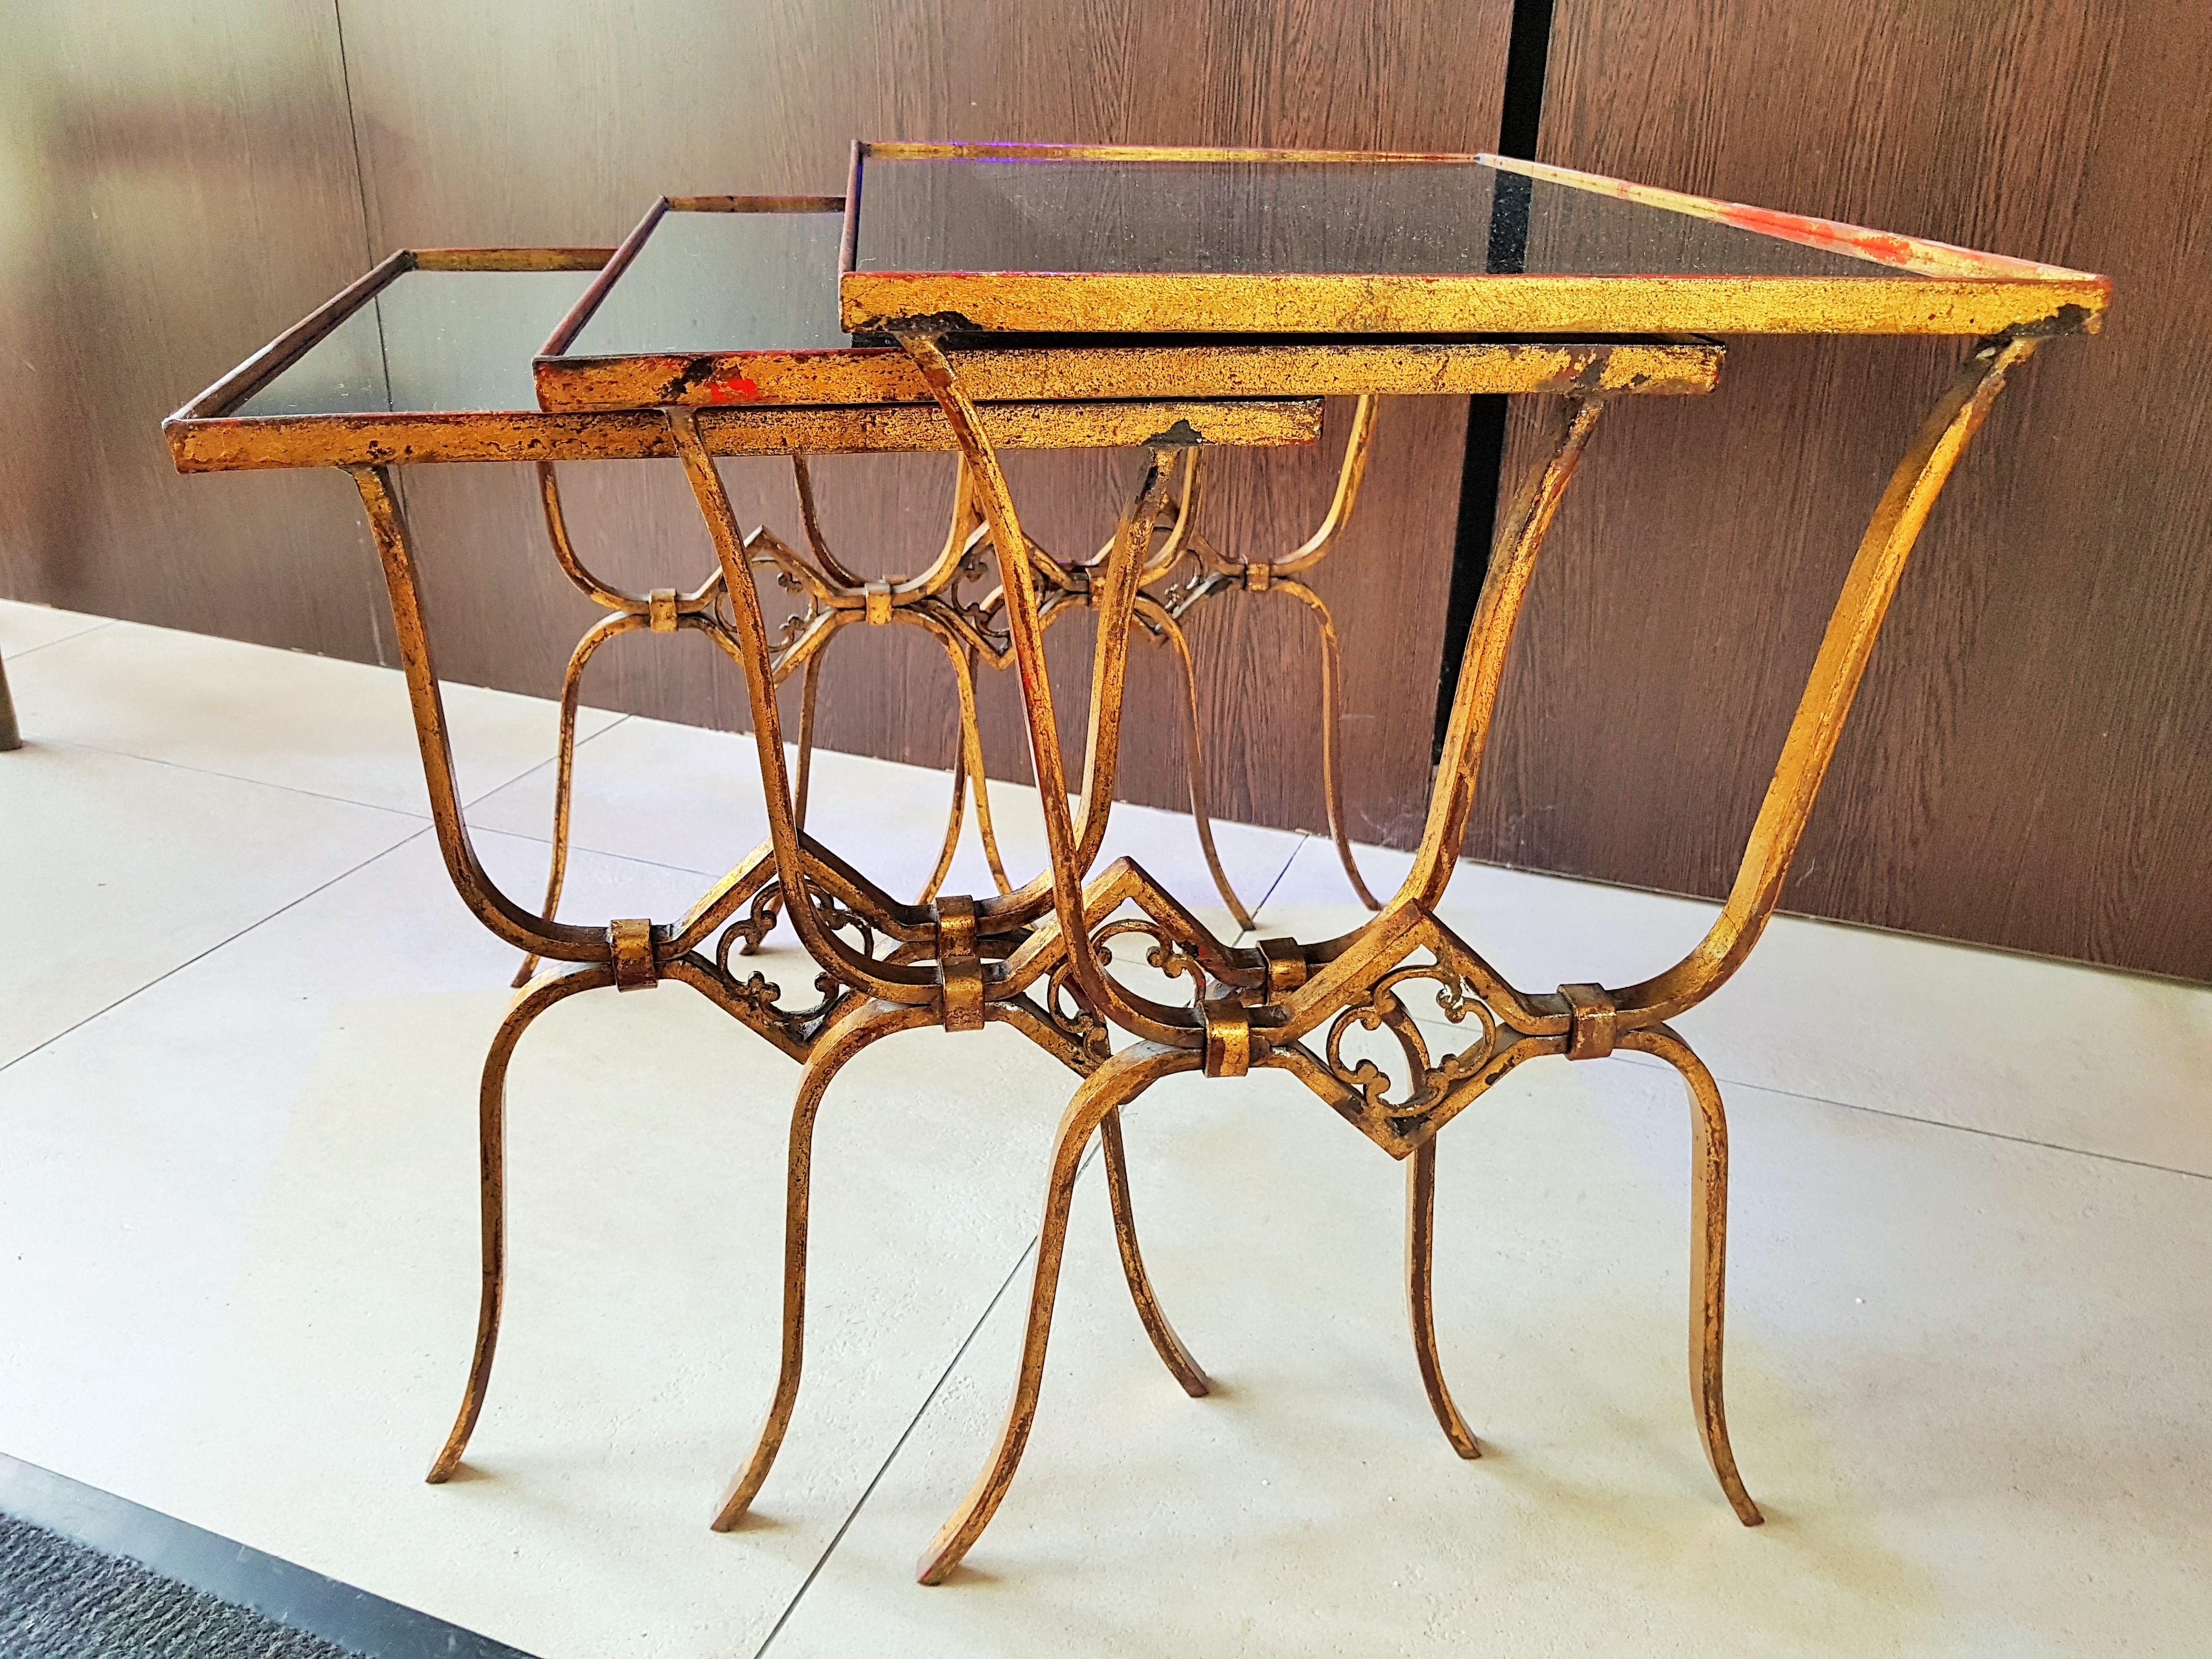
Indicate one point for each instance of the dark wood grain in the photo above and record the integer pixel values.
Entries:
(484, 122)
(2028, 765)
(181, 188)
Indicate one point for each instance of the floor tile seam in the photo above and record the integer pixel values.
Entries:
(537, 766)
(222, 944)
(577, 846)
(1247, 936)
(293, 788)
(229, 777)
(47, 645)
(897, 1446)
(936, 1388)
(1297, 847)
(1653, 1063)
(1975, 1129)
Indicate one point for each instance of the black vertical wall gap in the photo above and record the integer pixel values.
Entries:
(1527, 53)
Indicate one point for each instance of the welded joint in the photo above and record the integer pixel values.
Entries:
(1596, 1021)
(1228, 1036)
(959, 970)
(630, 945)
(1286, 965)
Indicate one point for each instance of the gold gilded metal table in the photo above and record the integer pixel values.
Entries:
(995, 297)
(958, 241)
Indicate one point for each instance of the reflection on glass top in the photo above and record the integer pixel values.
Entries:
(429, 340)
(724, 282)
(1373, 218)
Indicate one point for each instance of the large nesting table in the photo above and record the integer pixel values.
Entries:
(991, 297)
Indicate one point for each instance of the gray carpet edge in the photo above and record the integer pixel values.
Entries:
(85, 1574)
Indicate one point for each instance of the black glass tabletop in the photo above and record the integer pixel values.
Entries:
(751, 279)
(959, 212)
(425, 341)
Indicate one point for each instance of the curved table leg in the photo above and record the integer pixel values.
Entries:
(564, 763)
(1421, 1275)
(1171, 630)
(810, 685)
(1178, 1359)
(1113, 1084)
(1708, 1255)
(955, 816)
(1332, 734)
(491, 1142)
(969, 775)
(860, 1026)
(979, 782)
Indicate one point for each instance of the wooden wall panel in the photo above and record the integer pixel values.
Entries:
(482, 122)
(2028, 764)
(177, 185)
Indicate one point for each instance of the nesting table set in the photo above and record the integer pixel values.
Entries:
(973, 299)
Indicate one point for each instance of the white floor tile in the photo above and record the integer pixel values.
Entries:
(114, 870)
(237, 1240)
(2048, 1051)
(146, 1140)
(1964, 1380)
(340, 729)
(27, 628)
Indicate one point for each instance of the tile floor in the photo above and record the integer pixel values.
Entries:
(240, 1019)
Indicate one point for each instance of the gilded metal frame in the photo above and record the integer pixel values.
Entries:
(1291, 1004)
(1062, 367)
(207, 433)
(1185, 571)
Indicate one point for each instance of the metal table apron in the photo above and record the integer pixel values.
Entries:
(1289, 1004)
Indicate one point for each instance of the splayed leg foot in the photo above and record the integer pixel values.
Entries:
(491, 1148)
(860, 1026)
(1113, 1084)
(1708, 1256)
(1171, 1349)
(1420, 1280)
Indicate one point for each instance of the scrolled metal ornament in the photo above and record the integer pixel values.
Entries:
(762, 994)
(1428, 1080)
(1168, 954)
(760, 920)
(1072, 1016)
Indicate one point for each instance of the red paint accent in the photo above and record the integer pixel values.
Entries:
(730, 386)
(1876, 245)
